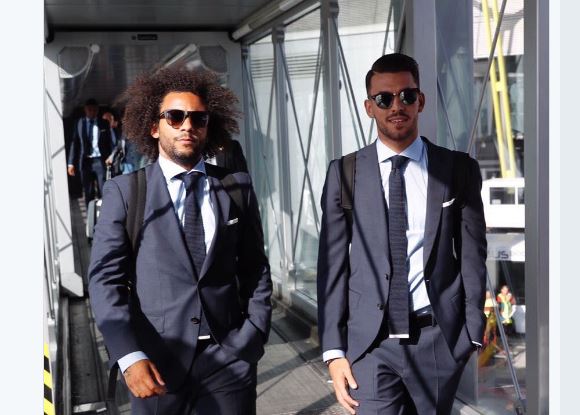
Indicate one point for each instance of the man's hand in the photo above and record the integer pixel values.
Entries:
(341, 375)
(144, 380)
(70, 170)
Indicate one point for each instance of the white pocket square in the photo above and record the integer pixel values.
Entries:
(232, 222)
(449, 203)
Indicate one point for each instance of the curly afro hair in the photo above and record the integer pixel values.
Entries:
(143, 102)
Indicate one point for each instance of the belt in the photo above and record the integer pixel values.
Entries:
(422, 320)
(202, 344)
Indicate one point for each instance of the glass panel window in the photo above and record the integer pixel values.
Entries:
(499, 148)
(306, 139)
(265, 164)
(502, 195)
(367, 30)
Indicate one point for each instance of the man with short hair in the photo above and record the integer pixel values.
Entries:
(401, 287)
(186, 315)
(91, 145)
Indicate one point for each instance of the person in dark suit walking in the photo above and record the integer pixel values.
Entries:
(91, 145)
(231, 157)
(186, 316)
(401, 292)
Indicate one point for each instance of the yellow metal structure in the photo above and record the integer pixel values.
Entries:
(500, 97)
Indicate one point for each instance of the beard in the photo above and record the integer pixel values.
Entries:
(394, 134)
(183, 156)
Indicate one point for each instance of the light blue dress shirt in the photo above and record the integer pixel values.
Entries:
(177, 193)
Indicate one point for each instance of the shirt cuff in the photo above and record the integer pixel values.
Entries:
(332, 354)
(129, 359)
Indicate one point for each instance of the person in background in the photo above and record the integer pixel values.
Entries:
(125, 158)
(506, 302)
(90, 147)
(490, 334)
(231, 157)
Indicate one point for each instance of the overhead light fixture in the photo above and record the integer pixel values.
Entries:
(242, 31)
(288, 4)
(263, 16)
(184, 54)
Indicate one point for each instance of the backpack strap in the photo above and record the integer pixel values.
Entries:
(347, 171)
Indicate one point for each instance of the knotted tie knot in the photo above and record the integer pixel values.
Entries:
(189, 180)
(398, 162)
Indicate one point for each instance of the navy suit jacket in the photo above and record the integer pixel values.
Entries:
(155, 314)
(80, 144)
(353, 289)
(232, 157)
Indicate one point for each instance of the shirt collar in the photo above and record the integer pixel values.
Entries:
(414, 151)
(170, 169)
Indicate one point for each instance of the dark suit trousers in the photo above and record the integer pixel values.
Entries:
(216, 384)
(93, 169)
(408, 376)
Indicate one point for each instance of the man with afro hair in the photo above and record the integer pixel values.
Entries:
(184, 312)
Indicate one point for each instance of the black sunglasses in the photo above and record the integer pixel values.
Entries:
(176, 118)
(384, 100)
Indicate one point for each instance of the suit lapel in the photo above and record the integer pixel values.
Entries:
(220, 201)
(373, 220)
(160, 213)
(439, 170)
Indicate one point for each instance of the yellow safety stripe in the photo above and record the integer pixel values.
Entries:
(48, 404)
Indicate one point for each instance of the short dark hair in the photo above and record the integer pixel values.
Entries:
(393, 62)
(144, 97)
(91, 102)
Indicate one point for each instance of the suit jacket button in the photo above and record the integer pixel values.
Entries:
(195, 320)
(380, 306)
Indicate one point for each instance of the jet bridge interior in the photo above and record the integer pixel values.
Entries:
(297, 67)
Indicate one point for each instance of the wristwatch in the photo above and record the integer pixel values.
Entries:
(330, 360)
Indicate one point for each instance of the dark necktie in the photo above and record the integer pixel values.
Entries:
(193, 222)
(398, 304)
(89, 136)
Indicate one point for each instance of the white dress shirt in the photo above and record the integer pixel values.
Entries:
(177, 193)
(94, 137)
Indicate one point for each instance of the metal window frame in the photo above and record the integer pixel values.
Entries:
(536, 164)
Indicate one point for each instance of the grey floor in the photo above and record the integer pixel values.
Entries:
(291, 377)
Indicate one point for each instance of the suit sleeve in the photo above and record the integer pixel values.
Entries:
(109, 273)
(253, 268)
(473, 252)
(333, 266)
(73, 153)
